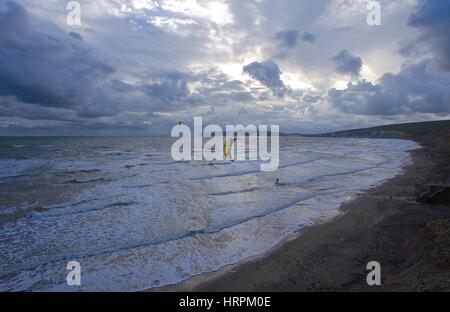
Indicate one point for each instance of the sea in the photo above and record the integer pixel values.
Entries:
(135, 219)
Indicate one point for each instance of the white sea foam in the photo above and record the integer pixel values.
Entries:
(141, 222)
(13, 168)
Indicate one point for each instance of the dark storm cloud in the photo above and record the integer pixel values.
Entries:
(308, 37)
(347, 63)
(53, 74)
(11, 107)
(268, 73)
(287, 39)
(290, 38)
(140, 68)
(433, 19)
(50, 68)
(421, 87)
(416, 89)
(170, 91)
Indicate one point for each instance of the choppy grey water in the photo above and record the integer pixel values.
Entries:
(136, 219)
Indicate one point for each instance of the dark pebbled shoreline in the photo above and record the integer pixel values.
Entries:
(409, 239)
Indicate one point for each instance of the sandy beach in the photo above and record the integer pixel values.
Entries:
(386, 224)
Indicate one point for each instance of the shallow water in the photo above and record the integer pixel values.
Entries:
(136, 219)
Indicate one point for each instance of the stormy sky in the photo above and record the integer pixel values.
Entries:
(137, 67)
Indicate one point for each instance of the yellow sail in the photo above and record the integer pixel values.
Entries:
(227, 150)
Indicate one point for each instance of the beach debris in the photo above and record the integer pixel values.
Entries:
(436, 194)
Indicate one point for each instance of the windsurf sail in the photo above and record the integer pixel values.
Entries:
(227, 148)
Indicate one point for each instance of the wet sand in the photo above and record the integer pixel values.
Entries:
(386, 224)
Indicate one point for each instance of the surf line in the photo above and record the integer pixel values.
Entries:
(223, 148)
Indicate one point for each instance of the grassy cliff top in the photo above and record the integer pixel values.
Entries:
(396, 130)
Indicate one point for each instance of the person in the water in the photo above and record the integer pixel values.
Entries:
(278, 183)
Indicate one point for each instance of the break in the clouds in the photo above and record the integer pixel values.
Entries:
(138, 67)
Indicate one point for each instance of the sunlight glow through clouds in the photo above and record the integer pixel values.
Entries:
(340, 84)
(174, 24)
(214, 11)
(233, 70)
(145, 4)
(183, 57)
(296, 81)
(368, 74)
